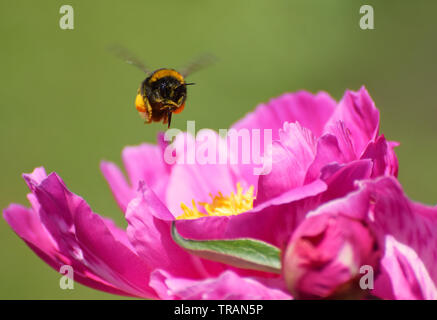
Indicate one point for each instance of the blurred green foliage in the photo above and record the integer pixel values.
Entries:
(67, 104)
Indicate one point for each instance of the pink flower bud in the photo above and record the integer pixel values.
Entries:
(324, 257)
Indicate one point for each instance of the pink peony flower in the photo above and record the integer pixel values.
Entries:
(320, 150)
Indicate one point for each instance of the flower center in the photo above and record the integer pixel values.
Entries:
(220, 205)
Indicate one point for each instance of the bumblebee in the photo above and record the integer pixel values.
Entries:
(160, 95)
(164, 91)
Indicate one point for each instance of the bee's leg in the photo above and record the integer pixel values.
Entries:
(169, 119)
(149, 112)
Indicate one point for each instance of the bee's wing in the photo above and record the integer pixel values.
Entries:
(128, 57)
(198, 64)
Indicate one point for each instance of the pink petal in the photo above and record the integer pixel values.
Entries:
(344, 179)
(392, 159)
(413, 226)
(146, 163)
(314, 188)
(344, 140)
(110, 258)
(291, 157)
(355, 205)
(36, 177)
(27, 224)
(206, 228)
(149, 232)
(360, 116)
(57, 208)
(227, 286)
(72, 225)
(310, 110)
(408, 277)
(329, 150)
(384, 158)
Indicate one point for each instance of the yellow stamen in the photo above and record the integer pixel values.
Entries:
(221, 205)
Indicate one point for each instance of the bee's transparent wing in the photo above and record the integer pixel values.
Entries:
(127, 56)
(199, 63)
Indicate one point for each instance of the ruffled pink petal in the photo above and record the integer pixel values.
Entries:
(26, 225)
(227, 286)
(344, 140)
(146, 163)
(407, 278)
(343, 180)
(206, 228)
(312, 111)
(263, 125)
(360, 116)
(329, 150)
(110, 258)
(314, 188)
(291, 157)
(148, 229)
(412, 227)
(355, 205)
(36, 177)
(57, 208)
(383, 155)
(85, 241)
(392, 158)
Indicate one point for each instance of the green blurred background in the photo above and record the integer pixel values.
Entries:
(67, 104)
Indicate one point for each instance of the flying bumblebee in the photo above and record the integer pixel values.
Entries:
(164, 91)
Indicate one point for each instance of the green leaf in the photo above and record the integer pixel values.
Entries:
(245, 253)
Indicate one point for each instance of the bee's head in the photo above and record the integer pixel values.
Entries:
(167, 87)
(170, 91)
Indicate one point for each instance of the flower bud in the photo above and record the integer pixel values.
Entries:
(324, 257)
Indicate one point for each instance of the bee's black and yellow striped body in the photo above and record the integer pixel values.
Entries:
(162, 93)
